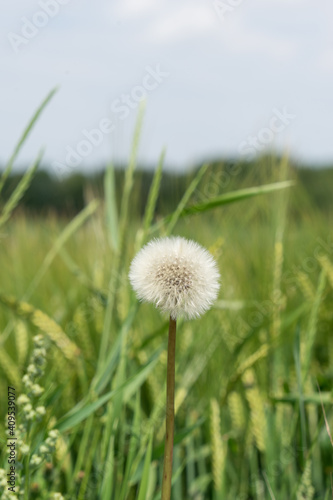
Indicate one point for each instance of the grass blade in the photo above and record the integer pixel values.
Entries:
(153, 194)
(89, 464)
(297, 358)
(183, 202)
(133, 447)
(19, 191)
(234, 196)
(25, 134)
(109, 472)
(146, 469)
(104, 376)
(69, 230)
(311, 333)
(119, 255)
(81, 276)
(111, 207)
(83, 409)
(129, 178)
(314, 399)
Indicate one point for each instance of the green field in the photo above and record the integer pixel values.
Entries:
(253, 375)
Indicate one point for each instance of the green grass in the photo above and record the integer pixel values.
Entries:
(253, 376)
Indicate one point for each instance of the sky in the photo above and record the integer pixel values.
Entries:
(218, 79)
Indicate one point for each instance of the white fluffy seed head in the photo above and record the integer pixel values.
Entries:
(177, 275)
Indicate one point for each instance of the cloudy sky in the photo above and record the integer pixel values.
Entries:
(219, 78)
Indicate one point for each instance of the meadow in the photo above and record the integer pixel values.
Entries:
(253, 375)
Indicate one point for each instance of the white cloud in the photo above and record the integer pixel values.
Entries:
(135, 8)
(325, 62)
(240, 38)
(181, 23)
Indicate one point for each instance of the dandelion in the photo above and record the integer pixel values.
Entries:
(181, 278)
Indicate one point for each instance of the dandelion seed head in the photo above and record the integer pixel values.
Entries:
(179, 276)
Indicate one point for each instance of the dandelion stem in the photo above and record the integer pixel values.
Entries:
(170, 413)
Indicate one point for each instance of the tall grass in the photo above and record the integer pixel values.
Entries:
(253, 376)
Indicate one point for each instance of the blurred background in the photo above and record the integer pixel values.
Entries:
(214, 75)
(239, 96)
(220, 80)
